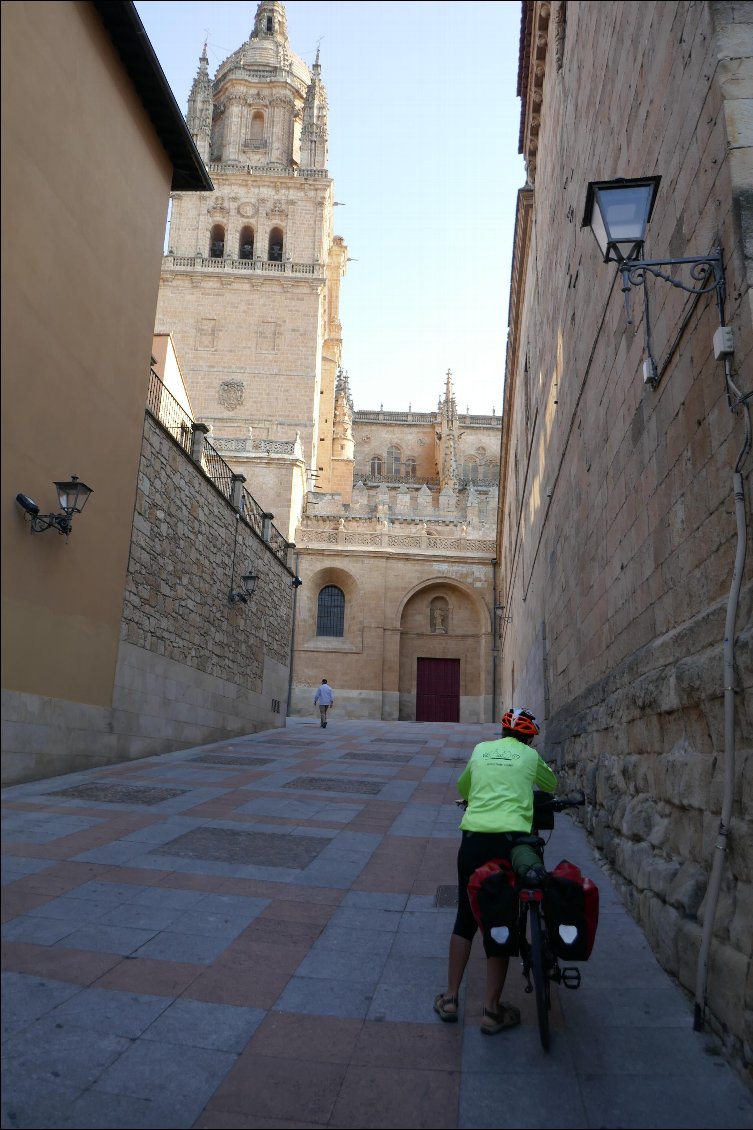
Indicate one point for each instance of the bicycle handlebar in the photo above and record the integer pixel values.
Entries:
(559, 804)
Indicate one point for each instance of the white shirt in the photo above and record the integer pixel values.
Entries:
(324, 695)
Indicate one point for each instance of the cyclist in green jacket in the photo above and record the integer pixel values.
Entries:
(497, 785)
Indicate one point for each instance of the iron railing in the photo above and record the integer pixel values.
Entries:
(166, 410)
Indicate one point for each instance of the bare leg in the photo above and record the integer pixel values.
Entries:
(496, 972)
(460, 951)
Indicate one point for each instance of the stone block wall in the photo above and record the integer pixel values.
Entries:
(617, 533)
(208, 668)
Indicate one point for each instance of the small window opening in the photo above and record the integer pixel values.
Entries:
(246, 244)
(275, 245)
(217, 242)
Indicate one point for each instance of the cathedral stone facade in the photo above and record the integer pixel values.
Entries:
(392, 514)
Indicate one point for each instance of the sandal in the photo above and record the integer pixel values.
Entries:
(508, 1016)
(446, 1008)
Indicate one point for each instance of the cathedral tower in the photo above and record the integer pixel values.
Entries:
(250, 286)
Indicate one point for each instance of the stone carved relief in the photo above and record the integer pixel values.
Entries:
(231, 394)
(439, 616)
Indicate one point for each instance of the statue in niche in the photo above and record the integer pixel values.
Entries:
(439, 621)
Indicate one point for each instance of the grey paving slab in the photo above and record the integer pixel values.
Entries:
(198, 949)
(407, 1002)
(365, 918)
(505, 1100)
(48, 829)
(26, 998)
(375, 944)
(152, 1070)
(97, 1110)
(118, 852)
(36, 1104)
(110, 1012)
(43, 1051)
(166, 896)
(343, 965)
(378, 900)
(315, 996)
(222, 1027)
(415, 820)
(107, 939)
(674, 1103)
(36, 930)
(69, 909)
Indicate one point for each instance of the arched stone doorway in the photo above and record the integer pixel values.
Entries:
(443, 654)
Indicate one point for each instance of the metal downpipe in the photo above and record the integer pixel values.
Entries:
(720, 847)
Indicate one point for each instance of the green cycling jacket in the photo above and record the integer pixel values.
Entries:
(498, 785)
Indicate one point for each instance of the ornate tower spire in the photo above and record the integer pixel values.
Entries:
(199, 117)
(314, 126)
(447, 459)
(271, 22)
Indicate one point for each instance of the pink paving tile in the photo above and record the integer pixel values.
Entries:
(282, 931)
(254, 977)
(435, 1047)
(82, 967)
(217, 1120)
(321, 1039)
(280, 1089)
(21, 901)
(147, 975)
(298, 911)
(375, 1097)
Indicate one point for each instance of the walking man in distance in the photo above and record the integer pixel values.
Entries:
(324, 698)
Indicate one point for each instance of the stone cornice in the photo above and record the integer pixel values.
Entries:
(521, 244)
(534, 39)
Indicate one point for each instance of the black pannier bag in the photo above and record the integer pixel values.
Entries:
(571, 909)
(493, 895)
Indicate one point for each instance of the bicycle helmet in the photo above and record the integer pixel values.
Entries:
(521, 721)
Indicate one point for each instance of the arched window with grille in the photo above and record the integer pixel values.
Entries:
(275, 245)
(246, 243)
(217, 242)
(375, 467)
(394, 457)
(330, 612)
(409, 468)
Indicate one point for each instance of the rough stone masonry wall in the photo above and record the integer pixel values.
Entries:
(618, 528)
(194, 668)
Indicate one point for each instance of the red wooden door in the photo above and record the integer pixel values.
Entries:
(438, 690)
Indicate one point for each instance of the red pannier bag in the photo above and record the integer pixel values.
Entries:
(571, 909)
(493, 895)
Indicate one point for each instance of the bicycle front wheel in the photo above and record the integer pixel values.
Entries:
(540, 979)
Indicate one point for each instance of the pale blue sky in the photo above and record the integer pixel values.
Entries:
(423, 149)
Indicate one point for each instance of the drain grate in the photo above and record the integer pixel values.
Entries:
(121, 794)
(225, 845)
(335, 785)
(446, 897)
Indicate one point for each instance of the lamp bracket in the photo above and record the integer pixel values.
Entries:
(702, 269)
(41, 522)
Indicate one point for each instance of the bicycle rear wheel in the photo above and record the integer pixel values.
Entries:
(540, 979)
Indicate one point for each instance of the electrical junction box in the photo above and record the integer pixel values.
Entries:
(723, 344)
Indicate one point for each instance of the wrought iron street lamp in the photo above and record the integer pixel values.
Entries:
(73, 496)
(618, 213)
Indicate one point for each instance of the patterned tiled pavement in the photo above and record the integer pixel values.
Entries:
(251, 934)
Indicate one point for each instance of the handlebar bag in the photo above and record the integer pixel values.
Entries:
(493, 895)
(571, 909)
